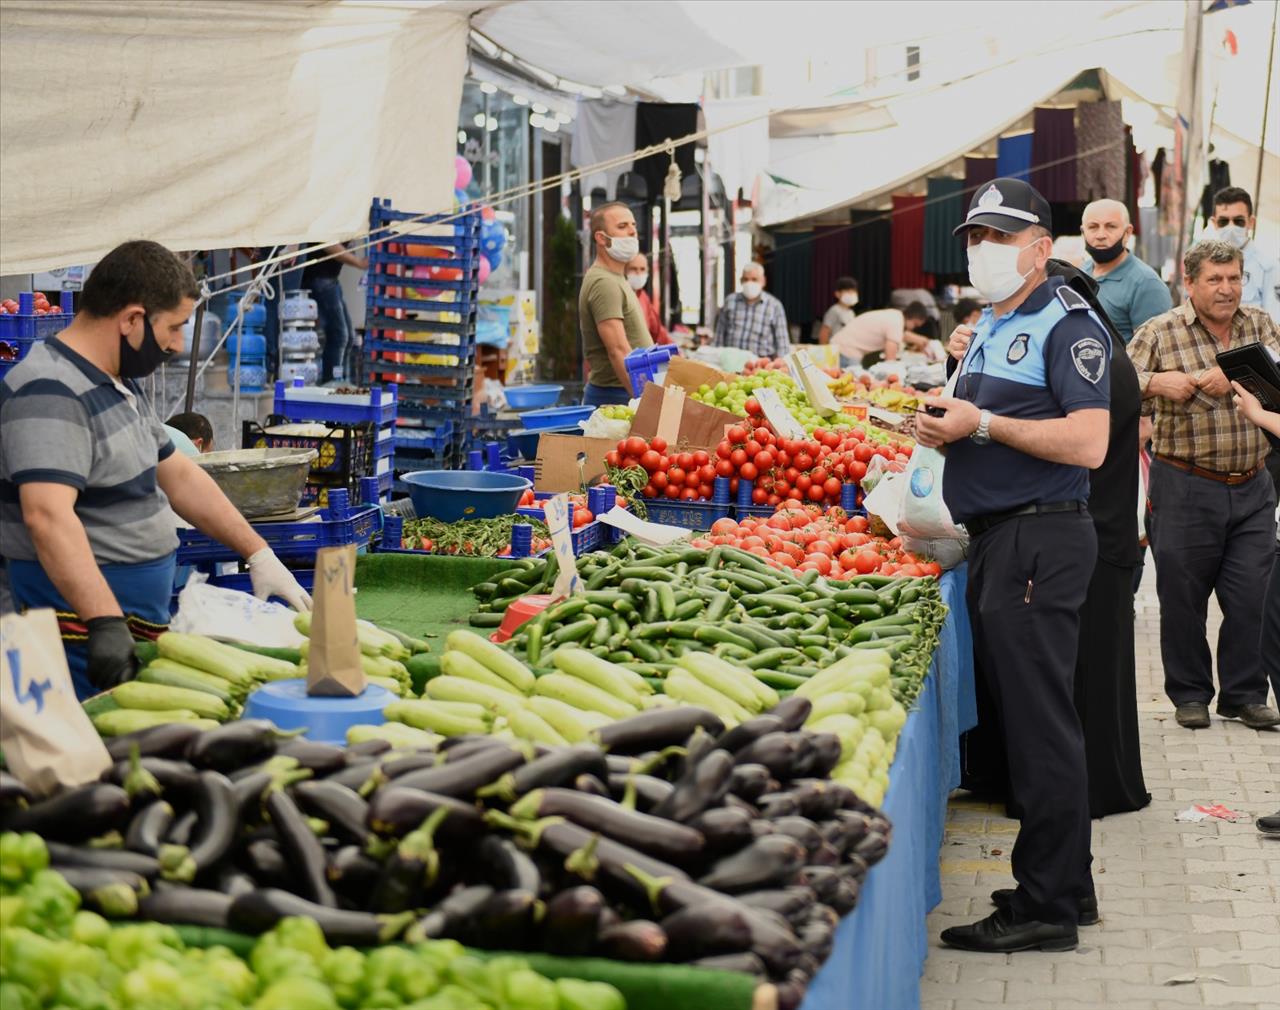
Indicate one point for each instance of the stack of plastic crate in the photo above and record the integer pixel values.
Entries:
(420, 329)
(20, 330)
(348, 413)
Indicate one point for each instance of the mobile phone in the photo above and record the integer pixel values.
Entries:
(936, 411)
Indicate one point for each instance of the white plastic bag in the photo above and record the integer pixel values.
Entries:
(925, 515)
(233, 616)
(599, 426)
(946, 551)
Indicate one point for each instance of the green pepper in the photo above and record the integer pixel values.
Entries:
(472, 974)
(578, 994)
(130, 946)
(78, 991)
(224, 968)
(302, 934)
(343, 971)
(272, 962)
(49, 904)
(31, 960)
(21, 857)
(296, 994)
(439, 954)
(396, 969)
(17, 997)
(90, 929)
(525, 989)
(451, 997)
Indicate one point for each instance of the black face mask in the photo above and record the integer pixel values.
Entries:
(1105, 255)
(138, 363)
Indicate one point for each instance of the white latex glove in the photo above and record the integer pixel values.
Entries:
(270, 578)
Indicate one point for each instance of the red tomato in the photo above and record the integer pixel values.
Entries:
(672, 490)
(763, 460)
(676, 476)
(752, 447)
(706, 472)
(782, 456)
(857, 470)
(856, 524)
(658, 444)
(782, 486)
(803, 483)
(773, 499)
(723, 526)
(612, 458)
(819, 474)
(931, 568)
(581, 517)
(886, 453)
(733, 485)
(803, 461)
(763, 435)
(704, 491)
(847, 560)
(866, 562)
(819, 434)
(700, 458)
(738, 457)
(791, 473)
(831, 486)
(778, 521)
(635, 446)
(659, 480)
(759, 496)
(795, 494)
(650, 458)
(822, 547)
(685, 461)
(723, 468)
(689, 494)
(736, 435)
(629, 461)
(821, 561)
(830, 439)
(723, 450)
(752, 406)
(816, 493)
(794, 507)
(910, 569)
(784, 559)
(748, 471)
(649, 491)
(863, 452)
(752, 541)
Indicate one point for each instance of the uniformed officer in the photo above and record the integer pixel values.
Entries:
(1029, 419)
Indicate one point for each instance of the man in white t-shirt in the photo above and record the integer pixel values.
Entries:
(881, 330)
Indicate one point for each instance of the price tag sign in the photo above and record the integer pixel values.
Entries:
(783, 421)
(567, 581)
(333, 660)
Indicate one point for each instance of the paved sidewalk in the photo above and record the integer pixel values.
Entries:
(1190, 912)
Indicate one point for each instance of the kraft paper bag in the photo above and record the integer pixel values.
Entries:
(333, 659)
(48, 741)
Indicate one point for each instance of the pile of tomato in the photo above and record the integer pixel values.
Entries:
(40, 307)
(684, 476)
(832, 544)
(581, 514)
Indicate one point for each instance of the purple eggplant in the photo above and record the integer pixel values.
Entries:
(846, 829)
(73, 815)
(655, 730)
(188, 906)
(113, 893)
(572, 921)
(175, 778)
(776, 751)
(168, 740)
(749, 732)
(872, 848)
(723, 828)
(259, 911)
(801, 829)
(825, 854)
(793, 903)
(698, 747)
(845, 898)
(855, 867)
(451, 915)
(183, 827)
(823, 880)
(706, 930)
(636, 940)
(235, 745)
(817, 799)
(750, 782)
(301, 848)
(346, 812)
(357, 752)
(461, 778)
(61, 854)
(215, 803)
(395, 810)
(352, 873)
(147, 829)
(703, 786)
(263, 860)
(321, 758)
(592, 786)
(793, 712)
(557, 768)
(738, 803)
(659, 837)
(766, 862)
(790, 992)
(742, 963)
(232, 881)
(776, 805)
(356, 773)
(505, 866)
(506, 921)
(827, 754)
(650, 791)
(13, 792)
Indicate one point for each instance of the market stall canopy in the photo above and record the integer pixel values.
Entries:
(211, 124)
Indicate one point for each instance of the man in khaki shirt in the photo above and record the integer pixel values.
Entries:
(609, 316)
(1212, 501)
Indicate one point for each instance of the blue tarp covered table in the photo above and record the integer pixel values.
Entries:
(880, 949)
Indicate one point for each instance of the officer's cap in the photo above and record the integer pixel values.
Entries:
(1007, 205)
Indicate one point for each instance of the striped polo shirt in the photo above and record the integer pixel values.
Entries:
(66, 421)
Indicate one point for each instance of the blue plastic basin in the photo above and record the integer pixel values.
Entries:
(529, 397)
(326, 719)
(555, 417)
(450, 495)
(523, 443)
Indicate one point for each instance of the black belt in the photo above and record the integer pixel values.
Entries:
(980, 524)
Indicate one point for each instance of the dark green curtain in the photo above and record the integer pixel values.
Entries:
(944, 210)
(869, 256)
(790, 270)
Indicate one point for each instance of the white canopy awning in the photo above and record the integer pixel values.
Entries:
(209, 123)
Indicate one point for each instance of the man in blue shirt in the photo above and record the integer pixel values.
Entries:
(1233, 222)
(1129, 290)
(1029, 419)
(753, 320)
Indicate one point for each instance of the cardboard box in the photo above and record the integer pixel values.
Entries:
(567, 462)
(682, 421)
(689, 374)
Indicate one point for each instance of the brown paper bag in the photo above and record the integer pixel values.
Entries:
(48, 741)
(333, 659)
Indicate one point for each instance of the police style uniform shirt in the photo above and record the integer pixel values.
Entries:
(1047, 358)
(1261, 281)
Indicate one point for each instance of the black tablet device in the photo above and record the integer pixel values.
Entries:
(1254, 368)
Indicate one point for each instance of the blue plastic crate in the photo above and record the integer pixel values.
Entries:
(435, 439)
(299, 402)
(645, 364)
(850, 500)
(316, 492)
(290, 539)
(688, 515)
(584, 539)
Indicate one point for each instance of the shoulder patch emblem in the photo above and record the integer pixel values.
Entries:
(1071, 299)
(1018, 349)
(1090, 358)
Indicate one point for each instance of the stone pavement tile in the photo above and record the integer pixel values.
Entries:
(1245, 909)
(940, 971)
(1116, 954)
(1205, 924)
(979, 995)
(1257, 941)
(1026, 967)
(937, 1004)
(1268, 958)
(1261, 997)
(1264, 974)
(1029, 994)
(1125, 993)
(1065, 971)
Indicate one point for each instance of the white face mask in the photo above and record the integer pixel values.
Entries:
(637, 281)
(993, 270)
(849, 299)
(623, 248)
(752, 289)
(1233, 235)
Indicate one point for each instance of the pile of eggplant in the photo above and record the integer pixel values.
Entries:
(664, 838)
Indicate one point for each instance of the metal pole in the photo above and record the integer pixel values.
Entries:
(1266, 105)
(708, 260)
(195, 356)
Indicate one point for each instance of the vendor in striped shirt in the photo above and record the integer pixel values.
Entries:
(753, 320)
(88, 473)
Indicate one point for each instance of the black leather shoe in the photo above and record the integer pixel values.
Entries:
(1003, 898)
(1269, 825)
(1193, 715)
(1001, 933)
(1253, 716)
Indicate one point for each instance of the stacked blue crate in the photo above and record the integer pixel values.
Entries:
(297, 402)
(435, 399)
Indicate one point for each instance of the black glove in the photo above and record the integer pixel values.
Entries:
(111, 658)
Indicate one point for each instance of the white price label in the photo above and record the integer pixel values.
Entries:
(783, 421)
(557, 515)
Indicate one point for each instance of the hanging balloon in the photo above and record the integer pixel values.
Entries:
(485, 269)
(494, 259)
(493, 237)
(461, 172)
(486, 213)
(460, 195)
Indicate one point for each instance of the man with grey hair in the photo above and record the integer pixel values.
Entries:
(1129, 290)
(753, 320)
(1212, 501)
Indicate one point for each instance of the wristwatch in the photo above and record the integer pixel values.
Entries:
(982, 433)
